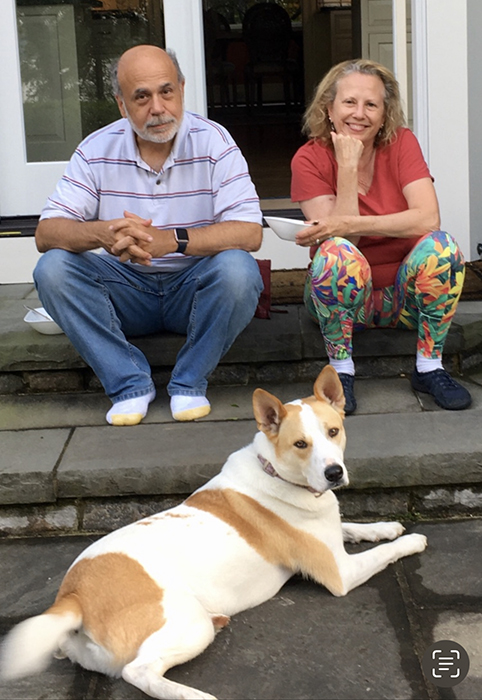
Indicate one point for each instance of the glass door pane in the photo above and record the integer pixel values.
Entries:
(66, 50)
(255, 83)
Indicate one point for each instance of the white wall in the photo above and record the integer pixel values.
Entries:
(18, 257)
(284, 255)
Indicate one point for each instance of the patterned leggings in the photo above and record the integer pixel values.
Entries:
(340, 297)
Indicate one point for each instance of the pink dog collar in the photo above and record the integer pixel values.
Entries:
(271, 471)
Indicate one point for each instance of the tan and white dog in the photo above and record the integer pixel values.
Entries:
(153, 594)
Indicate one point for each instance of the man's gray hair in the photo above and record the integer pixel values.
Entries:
(115, 80)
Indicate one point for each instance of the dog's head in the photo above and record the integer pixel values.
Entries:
(306, 437)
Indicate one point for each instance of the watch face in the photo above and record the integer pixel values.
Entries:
(182, 238)
(181, 235)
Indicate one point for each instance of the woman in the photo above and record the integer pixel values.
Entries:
(379, 258)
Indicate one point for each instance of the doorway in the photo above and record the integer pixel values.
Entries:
(263, 61)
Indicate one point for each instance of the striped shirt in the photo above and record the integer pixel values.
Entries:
(205, 180)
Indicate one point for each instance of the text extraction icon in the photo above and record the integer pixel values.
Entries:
(446, 663)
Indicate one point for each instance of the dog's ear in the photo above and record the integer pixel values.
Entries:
(329, 388)
(268, 411)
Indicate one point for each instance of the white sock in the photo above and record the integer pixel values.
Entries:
(343, 366)
(189, 407)
(428, 364)
(130, 412)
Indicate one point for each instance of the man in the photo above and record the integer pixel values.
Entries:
(166, 195)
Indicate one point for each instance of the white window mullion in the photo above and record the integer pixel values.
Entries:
(420, 75)
(183, 23)
(448, 126)
(399, 14)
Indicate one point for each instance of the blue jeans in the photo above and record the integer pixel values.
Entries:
(98, 301)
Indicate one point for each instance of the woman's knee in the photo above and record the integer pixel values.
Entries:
(439, 245)
(439, 242)
(339, 257)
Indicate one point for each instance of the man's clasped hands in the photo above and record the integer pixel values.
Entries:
(131, 240)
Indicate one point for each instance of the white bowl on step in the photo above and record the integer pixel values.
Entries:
(42, 322)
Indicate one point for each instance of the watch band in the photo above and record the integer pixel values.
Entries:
(182, 238)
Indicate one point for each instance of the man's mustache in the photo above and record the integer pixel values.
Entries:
(161, 120)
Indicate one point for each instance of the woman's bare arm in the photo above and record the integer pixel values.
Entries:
(422, 216)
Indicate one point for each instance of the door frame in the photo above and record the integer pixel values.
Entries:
(441, 107)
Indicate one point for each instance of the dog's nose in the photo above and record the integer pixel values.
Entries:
(333, 473)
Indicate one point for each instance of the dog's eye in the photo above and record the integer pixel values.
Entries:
(333, 432)
(301, 444)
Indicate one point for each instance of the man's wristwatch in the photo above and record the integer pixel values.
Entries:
(182, 238)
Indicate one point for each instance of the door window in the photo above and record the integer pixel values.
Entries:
(66, 51)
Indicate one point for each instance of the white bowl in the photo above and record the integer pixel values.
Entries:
(42, 323)
(285, 228)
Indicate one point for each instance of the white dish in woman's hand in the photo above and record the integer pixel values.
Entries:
(285, 228)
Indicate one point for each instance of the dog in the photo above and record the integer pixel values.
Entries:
(153, 594)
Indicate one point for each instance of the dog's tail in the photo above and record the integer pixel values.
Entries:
(28, 647)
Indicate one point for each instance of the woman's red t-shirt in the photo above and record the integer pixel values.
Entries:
(314, 173)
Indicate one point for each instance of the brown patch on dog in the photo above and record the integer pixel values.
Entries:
(281, 423)
(272, 537)
(289, 432)
(220, 621)
(330, 417)
(68, 605)
(120, 603)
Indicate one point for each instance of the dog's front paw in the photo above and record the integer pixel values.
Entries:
(371, 532)
(420, 540)
(390, 531)
(413, 543)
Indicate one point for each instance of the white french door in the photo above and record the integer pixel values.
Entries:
(53, 78)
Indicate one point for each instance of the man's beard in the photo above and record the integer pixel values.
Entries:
(147, 134)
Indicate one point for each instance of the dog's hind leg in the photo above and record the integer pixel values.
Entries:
(149, 678)
(371, 532)
(355, 569)
(188, 630)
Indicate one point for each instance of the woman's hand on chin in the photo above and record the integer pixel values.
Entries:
(348, 150)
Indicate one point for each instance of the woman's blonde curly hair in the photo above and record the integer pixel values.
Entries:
(316, 123)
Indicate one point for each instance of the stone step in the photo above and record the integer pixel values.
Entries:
(287, 347)
(63, 469)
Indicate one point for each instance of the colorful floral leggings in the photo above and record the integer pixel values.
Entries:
(340, 297)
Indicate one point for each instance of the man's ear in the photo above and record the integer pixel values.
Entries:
(120, 104)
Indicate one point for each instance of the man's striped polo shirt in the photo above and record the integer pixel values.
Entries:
(205, 180)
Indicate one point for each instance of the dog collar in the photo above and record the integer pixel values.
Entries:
(271, 471)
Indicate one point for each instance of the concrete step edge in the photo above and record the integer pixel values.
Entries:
(383, 452)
